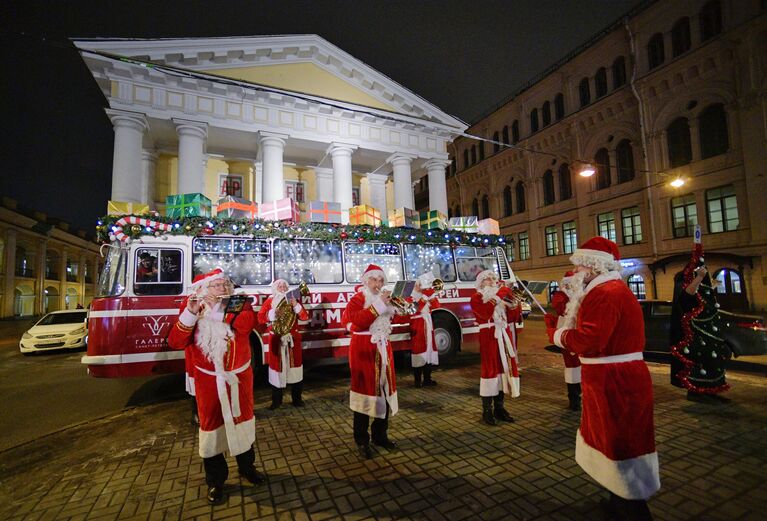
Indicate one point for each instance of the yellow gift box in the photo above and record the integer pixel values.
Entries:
(364, 214)
(121, 208)
(403, 218)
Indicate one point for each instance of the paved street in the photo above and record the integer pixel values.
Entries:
(143, 463)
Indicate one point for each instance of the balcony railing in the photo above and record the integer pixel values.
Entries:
(29, 273)
(71, 277)
(52, 275)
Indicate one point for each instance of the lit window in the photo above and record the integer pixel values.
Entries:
(606, 225)
(569, 237)
(722, 207)
(684, 215)
(637, 287)
(632, 225)
(552, 247)
(524, 246)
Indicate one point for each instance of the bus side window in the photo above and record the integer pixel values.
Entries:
(158, 272)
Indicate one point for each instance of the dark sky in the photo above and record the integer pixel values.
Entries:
(463, 56)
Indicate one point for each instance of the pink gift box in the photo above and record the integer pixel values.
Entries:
(488, 227)
(279, 210)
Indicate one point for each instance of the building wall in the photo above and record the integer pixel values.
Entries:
(728, 69)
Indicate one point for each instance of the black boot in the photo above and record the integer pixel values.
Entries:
(427, 381)
(487, 410)
(276, 398)
(574, 396)
(501, 413)
(295, 394)
(195, 416)
(418, 374)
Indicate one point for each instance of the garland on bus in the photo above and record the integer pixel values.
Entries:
(133, 227)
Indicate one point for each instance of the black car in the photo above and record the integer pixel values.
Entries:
(744, 335)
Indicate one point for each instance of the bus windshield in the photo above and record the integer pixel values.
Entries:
(310, 261)
(472, 261)
(112, 278)
(385, 255)
(438, 259)
(246, 261)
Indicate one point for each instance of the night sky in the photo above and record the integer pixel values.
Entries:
(463, 56)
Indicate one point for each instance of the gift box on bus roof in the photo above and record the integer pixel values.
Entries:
(280, 210)
(121, 208)
(364, 214)
(236, 208)
(488, 227)
(325, 212)
(403, 218)
(187, 205)
(466, 224)
(433, 219)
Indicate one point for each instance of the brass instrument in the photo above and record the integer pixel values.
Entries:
(402, 306)
(438, 285)
(285, 315)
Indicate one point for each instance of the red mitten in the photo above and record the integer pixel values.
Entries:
(559, 302)
(551, 325)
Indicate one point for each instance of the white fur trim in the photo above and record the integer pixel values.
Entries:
(189, 384)
(572, 375)
(600, 261)
(417, 360)
(297, 308)
(295, 375)
(372, 273)
(558, 337)
(373, 406)
(215, 442)
(633, 478)
(271, 315)
(187, 318)
(379, 306)
(490, 386)
(602, 278)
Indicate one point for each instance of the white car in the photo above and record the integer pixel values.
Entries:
(56, 330)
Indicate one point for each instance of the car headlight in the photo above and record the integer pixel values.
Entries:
(26, 336)
(78, 331)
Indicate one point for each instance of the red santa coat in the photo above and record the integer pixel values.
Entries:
(499, 370)
(285, 353)
(572, 363)
(615, 444)
(422, 343)
(373, 381)
(224, 393)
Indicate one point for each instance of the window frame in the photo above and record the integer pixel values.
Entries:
(314, 281)
(161, 251)
(721, 200)
(524, 246)
(631, 225)
(609, 224)
(569, 237)
(683, 203)
(551, 240)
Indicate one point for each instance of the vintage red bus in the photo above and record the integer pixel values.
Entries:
(143, 283)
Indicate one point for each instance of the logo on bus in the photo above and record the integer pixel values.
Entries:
(155, 324)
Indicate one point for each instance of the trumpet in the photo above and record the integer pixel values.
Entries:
(402, 306)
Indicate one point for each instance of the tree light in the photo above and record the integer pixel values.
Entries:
(676, 183)
(587, 170)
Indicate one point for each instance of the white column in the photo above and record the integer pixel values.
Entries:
(191, 151)
(341, 156)
(437, 184)
(403, 189)
(148, 179)
(258, 173)
(324, 177)
(129, 130)
(272, 148)
(377, 185)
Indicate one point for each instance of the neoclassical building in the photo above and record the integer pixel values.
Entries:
(43, 265)
(264, 118)
(674, 91)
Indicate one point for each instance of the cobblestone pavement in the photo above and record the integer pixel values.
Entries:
(143, 463)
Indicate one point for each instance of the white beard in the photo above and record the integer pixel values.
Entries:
(370, 297)
(277, 299)
(499, 312)
(381, 326)
(213, 339)
(575, 289)
(488, 293)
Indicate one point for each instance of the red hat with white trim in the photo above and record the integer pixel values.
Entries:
(598, 253)
(372, 271)
(205, 278)
(487, 274)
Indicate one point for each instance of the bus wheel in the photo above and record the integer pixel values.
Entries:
(446, 335)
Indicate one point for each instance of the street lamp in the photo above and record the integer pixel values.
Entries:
(587, 170)
(676, 183)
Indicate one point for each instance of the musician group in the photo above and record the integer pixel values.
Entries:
(622, 459)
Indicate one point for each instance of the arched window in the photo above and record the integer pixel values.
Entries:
(473, 154)
(584, 92)
(481, 147)
(730, 290)
(655, 53)
(565, 182)
(466, 163)
(553, 286)
(680, 37)
(729, 281)
(548, 187)
(475, 208)
(515, 132)
(507, 210)
(546, 113)
(602, 160)
(496, 146)
(520, 189)
(559, 106)
(713, 131)
(600, 82)
(619, 72)
(679, 146)
(636, 285)
(624, 156)
(710, 20)
(505, 135)
(534, 121)
(485, 207)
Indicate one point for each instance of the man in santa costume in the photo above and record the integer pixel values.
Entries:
(496, 311)
(220, 349)
(559, 301)
(368, 316)
(424, 355)
(285, 354)
(615, 443)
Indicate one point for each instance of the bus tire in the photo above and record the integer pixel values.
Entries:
(447, 334)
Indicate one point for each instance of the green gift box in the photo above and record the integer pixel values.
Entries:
(187, 205)
(433, 219)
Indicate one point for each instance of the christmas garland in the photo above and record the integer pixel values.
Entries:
(688, 318)
(132, 227)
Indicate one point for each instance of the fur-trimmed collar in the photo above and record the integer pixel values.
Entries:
(602, 278)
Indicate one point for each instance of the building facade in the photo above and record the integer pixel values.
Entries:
(43, 267)
(265, 118)
(675, 91)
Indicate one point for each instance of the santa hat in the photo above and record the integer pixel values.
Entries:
(274, 284)
(372, 271)
(426, 280)
(487, 274)
(598, 253)
(202, 280)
